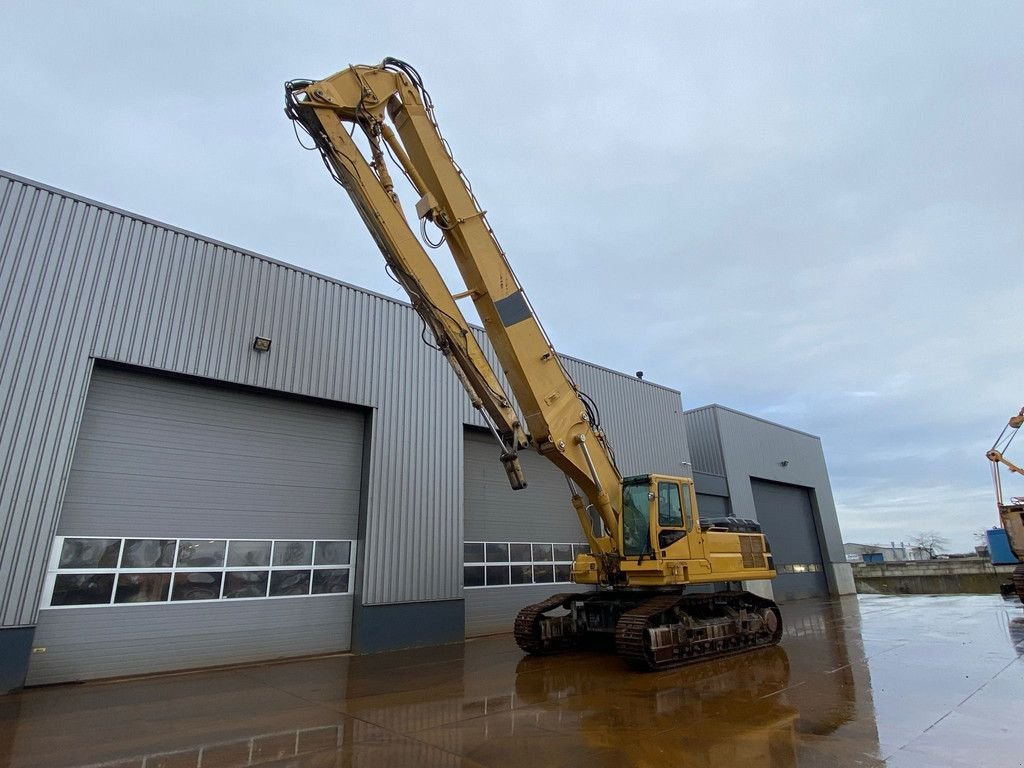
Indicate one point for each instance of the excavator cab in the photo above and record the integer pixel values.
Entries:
(657, 516)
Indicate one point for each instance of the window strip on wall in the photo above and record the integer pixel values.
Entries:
(96, 570)
(515, 564)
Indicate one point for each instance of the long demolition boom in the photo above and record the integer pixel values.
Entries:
(560, 423)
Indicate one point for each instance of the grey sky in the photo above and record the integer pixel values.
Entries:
(810, 212)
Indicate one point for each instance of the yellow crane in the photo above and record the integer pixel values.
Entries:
(647, 542)
(1011, 515)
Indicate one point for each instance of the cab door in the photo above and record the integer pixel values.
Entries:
(674, 521)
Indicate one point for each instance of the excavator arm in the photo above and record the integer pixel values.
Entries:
(996, 454)
(1011, 515)
(560, 423)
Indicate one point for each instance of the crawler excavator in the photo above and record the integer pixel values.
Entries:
(1011, 516)
(648, 546)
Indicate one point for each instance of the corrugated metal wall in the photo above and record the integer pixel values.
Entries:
(80, 280)
(705, 442)
(750, 447)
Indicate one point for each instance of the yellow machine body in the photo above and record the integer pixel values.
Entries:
(645, 533)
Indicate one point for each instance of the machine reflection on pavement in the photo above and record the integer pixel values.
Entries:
(727, 712)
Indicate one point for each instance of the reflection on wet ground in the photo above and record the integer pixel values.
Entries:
(897, 681)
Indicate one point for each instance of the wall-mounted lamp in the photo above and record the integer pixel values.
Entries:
(261, 344)
(784, 463)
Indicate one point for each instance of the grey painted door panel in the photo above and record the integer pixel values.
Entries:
(787, 518)
(92, 643)
(154, 451)
(494, 512)
(159, 456)
(493, 611)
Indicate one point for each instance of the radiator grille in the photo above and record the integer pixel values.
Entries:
(752, 549)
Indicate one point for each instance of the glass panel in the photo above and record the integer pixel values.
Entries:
(563, 573)
(580, 549)
(670, 509)
(497, 575)
(330, 580)
(563, 552)
(143, 587)
(89, 553)
(636, 532)
(472, 553)
(497, 553)
(82, 588)
(293, 553)
(199, 553)
(519, 553)
(248, 553)
(543, 574)
(473, 576)
(196, 586)
(688, 508)
(147, 553)
(246, 583)
(333, 553)
(522, 574)
(284, 583)
(542, 553)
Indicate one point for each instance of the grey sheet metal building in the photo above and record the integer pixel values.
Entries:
(172, 497)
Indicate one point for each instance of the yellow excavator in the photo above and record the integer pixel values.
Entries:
(1011, 515)
(648, 547)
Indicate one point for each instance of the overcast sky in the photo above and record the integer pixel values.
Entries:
(813, 213)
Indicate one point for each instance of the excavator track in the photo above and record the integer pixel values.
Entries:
(537, 636)
(672, 630)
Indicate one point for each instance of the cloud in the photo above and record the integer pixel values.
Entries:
(812, 214)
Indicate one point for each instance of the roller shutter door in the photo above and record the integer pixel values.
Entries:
(532, 528)
(787, 518)
(221, 524)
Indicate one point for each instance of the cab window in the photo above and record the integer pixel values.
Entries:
(670, 510)
(636, 533)
(688, 510)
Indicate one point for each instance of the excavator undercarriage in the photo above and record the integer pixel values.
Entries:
(651, 629)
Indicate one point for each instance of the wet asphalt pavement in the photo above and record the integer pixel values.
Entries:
(868, 681)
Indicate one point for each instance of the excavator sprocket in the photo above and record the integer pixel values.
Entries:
(672, 630)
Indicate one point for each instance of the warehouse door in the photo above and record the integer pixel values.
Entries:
(519, 545)
(787, 518)
(201, 525)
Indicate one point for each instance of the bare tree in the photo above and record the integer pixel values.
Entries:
(929, 541)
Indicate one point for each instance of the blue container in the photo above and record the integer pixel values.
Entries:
(873, 557)
(999, 547)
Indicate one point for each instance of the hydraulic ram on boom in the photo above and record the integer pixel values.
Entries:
(646, 538)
